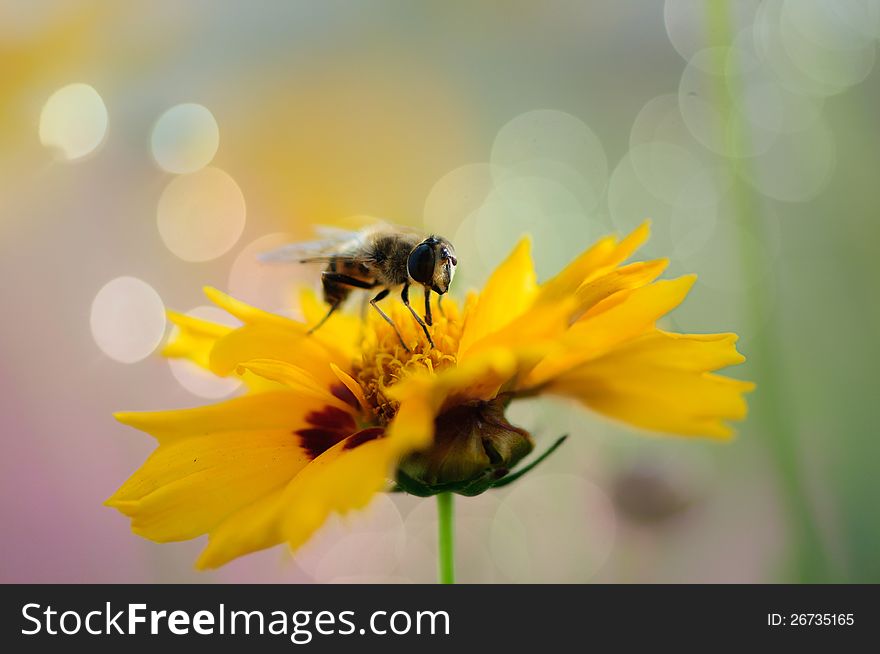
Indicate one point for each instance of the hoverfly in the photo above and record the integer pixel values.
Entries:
(380, 256)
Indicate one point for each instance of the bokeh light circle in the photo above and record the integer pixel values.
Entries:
(832, 24)
(680, 224)
(630, 204)
(201, 215)
(553, 528)
(659, 120)
(797, 167)
(473, 520)
(862, 16)
(788, 39)
(588, 192)
(845, 63)
(673, 174)
(472, 270)
(271, 286)
(127, 319)
(455, 196)
(536, 206)
(686, 23)
(767, 101)
(193, 377)
(556, 143)
(185, 138)
(702, 104)
(361, 546)
(73, 121)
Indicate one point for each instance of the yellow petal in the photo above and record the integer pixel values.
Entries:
(635, 275)
(607, 252)
(293, 377)
(248, 314)
(662, 381)
(265, 341)
(423, 397)
(613, 321)
(349, 382)
(187, 487)
(574, 274)
(272, 410)
(339, 480)
(252, 528)
(697, 352)
(341, 349)
(193, 339)
(531, 336)
(534, 334)
(632, 242)
(478, 378)
(660, 399)
(508, 292)
(413, 426)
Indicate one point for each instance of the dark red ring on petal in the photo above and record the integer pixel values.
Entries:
(363, 436)
(329, 426)
(332, 418)
(316, 441)
(342, 392)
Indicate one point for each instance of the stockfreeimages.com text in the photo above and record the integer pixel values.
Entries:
(300, 626)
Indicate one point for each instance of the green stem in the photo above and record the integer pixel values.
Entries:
(771, 405)
(445, 539)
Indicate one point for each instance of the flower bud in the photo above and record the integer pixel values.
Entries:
(474, 447)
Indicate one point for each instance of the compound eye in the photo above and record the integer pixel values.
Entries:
(421, 264)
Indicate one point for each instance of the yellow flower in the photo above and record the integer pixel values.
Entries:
(331, 418)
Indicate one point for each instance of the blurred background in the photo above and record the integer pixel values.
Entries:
(148, 148)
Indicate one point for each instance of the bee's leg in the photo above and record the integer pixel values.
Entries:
(363, 326)
(342, 280)
(428, 318)
(440, 305)
(404, 295)
(333, 307)
(381, 296)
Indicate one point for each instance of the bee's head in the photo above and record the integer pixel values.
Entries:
(432, 264)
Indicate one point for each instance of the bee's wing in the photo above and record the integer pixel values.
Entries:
(334, 244)
(298, 252)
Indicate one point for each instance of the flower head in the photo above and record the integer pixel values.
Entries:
(333, 417)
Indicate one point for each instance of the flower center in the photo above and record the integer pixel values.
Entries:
(474, 446)
(385, 361)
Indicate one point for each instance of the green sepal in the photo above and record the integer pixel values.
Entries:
(519, 473)
(472, 487)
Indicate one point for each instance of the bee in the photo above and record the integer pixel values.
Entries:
(380, 256)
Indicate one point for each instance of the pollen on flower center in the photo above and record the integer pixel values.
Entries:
(384, 362)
